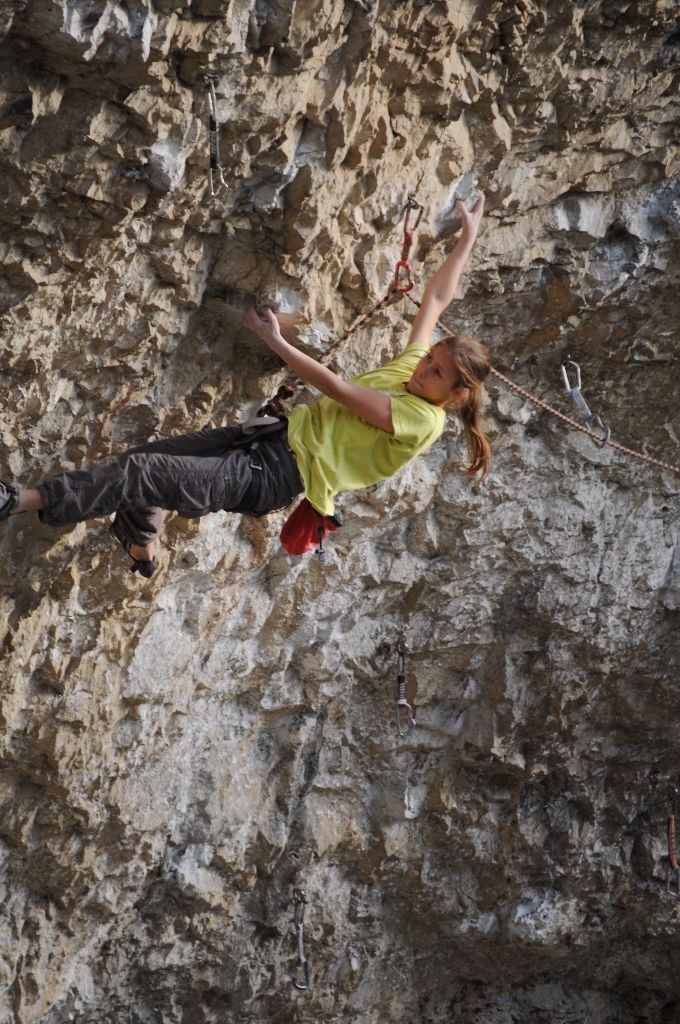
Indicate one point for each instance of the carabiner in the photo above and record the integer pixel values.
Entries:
(575, 389)
(402, 703)
(299, 904)
(606, 432)
(397, 286)
(320, 552)
(214, 167)
(412, 204)
(581, 404)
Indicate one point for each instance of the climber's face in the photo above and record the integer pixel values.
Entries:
(436, 377)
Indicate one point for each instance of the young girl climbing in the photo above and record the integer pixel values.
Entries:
(361, 431)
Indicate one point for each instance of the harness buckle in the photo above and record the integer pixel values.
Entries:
(253, 458)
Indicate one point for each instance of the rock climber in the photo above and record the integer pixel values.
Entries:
(359, 432)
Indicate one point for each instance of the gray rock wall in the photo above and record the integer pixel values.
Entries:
(177, 755)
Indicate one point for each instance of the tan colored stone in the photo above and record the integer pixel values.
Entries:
(178, 754)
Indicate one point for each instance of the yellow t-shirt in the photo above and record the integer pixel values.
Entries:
(338, 451)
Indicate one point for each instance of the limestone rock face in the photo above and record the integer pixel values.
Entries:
(178, 755)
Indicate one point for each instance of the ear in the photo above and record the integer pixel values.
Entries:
(459, 397)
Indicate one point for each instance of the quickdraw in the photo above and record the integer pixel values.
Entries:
(215, 167)
(403, 706)
(403, 265)
(299, 904)
(580, 402)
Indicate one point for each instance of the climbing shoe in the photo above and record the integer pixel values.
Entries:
(9, 498)
(145, 567)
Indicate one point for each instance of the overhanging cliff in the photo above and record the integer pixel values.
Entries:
(177, 755)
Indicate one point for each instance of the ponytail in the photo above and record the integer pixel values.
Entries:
(473, 364)
(479, 449)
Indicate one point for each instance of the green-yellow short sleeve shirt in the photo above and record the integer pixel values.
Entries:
(338, 451)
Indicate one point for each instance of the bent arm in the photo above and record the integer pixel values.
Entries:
(442, 287)
(374, 407)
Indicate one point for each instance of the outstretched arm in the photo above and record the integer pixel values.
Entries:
(374, 407)
(442, 287)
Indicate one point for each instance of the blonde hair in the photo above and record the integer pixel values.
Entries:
(472, 361)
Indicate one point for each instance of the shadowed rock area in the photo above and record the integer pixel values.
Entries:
(178, 755)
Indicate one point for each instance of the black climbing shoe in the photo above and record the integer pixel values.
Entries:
(143, 566)
(9, 498)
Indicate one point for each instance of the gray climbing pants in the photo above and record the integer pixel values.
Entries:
(192, 474)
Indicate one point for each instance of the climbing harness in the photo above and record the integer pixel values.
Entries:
(540, 404)
(299, 904)
(580, 402)
(215, 167)
(402, 283)
(403, 707)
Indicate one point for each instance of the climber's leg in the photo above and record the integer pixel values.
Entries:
(136, 530)
(14, 500)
